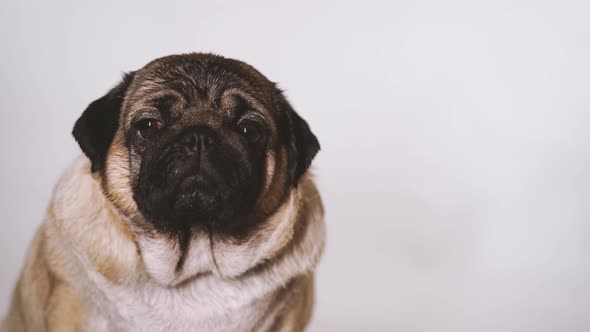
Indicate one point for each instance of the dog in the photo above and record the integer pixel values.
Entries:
(191, 208)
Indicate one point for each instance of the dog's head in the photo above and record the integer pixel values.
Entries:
(196, 140)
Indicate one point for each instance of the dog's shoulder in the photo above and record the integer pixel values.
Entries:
(82, 220)
(79, 233)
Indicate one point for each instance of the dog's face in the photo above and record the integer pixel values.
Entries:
(196, 141)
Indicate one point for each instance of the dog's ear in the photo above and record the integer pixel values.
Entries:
(95, 129)
(302, 144)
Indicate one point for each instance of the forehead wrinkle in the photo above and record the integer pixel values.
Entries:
(203, 81)
(147, 100)
(253, 102)
(158, 96)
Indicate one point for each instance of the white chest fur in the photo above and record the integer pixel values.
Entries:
(207, 302)
(151, 307)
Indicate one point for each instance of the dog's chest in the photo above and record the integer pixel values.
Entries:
(205, 303)
(150, 308)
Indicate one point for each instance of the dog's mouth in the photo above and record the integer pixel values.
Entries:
(195, 182)
(196, 193)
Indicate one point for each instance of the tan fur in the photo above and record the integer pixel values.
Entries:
(88, 268)
(65, 310)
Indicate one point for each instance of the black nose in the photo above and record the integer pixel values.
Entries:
(198, 140)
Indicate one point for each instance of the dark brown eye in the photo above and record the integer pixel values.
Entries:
(146, 128)
(251, 131)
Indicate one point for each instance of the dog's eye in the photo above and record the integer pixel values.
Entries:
(250, 130)
(146, 128)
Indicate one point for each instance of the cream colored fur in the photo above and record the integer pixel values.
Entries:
(87, 270)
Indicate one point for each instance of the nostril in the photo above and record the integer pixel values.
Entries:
(208, 140)
(198, 141)
(192, 142)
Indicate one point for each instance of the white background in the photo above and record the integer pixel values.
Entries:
(455, 136)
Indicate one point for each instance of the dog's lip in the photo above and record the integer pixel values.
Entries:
(192, 181)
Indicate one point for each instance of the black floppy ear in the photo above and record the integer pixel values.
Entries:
(95, 129)
(302, 144)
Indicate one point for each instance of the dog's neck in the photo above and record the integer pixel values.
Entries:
(222, 257)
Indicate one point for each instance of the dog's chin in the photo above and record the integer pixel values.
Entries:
(194, 206)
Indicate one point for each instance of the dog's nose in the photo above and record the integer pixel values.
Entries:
(198, 140)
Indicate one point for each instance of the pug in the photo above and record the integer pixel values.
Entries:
(190, 209)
